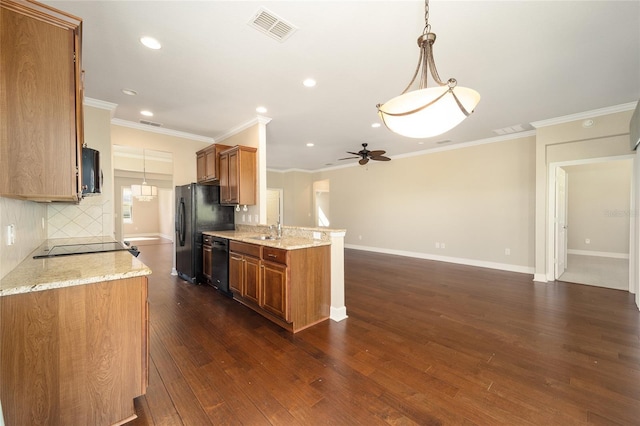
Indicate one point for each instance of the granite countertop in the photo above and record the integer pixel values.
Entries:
(287, 242)
(65, 271)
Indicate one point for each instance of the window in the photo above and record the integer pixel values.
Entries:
(127, 205)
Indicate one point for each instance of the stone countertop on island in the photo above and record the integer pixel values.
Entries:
(287, 242)
(65, 271)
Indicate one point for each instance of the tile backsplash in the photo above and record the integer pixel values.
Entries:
(27, 217)
(91, 218)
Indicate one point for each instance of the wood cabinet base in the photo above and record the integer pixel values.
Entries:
(75, 355)
(292, 289)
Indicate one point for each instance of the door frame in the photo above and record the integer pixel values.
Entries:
(560, 228)
(551, 209)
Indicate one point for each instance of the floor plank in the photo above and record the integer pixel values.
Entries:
(426, 343)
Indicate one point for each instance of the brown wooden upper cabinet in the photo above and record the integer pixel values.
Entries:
(208, 163)
(41, 115)
(238, 175)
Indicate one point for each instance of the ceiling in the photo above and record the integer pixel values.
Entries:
(529, 60)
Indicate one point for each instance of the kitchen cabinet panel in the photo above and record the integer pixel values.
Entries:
(238, 176)
(208, 163)
(41, 112)
(75, 355)
(289, 287)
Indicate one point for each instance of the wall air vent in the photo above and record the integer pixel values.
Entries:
(272, 25)
(150, 123)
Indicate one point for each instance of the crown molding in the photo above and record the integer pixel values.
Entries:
(257, 120)
(97, 103)
(584, 115)
(161, 130)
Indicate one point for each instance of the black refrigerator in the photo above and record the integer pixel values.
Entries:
(198, 209)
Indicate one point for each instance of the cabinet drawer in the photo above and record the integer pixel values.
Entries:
(245, 248)
(275, 255)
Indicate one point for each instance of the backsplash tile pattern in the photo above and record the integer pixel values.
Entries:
(90, 218)
(27, 218)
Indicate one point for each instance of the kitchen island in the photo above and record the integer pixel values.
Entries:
(287, 280)
(73, 338)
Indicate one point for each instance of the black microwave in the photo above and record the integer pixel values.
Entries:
(91, 172)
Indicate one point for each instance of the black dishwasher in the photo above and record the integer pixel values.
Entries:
(219, 263)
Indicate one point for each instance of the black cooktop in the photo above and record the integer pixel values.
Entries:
(71, 249)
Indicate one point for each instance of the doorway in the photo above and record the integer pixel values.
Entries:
(321, 203)
(275, 206)
(590, 221)
(143, 218)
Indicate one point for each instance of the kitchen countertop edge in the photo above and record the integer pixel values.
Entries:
(66, 271)
(286, 242)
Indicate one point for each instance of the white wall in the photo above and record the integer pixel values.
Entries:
(598, 207)
(476, 201)
(566, 140)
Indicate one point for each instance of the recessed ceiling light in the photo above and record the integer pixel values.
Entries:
(150, 42)
(261, 110)
(310, 144)
(146, 113)
(309, 82)
(375, 125)
(129, 92)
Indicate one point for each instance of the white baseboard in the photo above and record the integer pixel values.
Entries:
(338, 314)
(613, 255)
(541, 278)
(457, 260)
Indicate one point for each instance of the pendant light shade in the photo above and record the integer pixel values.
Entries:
(426, 112)
(442, 114)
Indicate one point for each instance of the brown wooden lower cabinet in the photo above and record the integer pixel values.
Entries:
(289, 287)
(75, 355)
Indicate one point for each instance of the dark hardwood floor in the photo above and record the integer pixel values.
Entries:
(425, 343)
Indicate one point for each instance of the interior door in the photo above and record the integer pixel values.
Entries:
(561, 222)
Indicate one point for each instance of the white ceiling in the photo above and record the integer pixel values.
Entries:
(529, 60)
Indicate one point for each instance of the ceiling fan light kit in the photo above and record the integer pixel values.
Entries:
(427, 112)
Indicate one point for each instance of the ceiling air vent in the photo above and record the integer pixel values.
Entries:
(272, 25)
(150, 123)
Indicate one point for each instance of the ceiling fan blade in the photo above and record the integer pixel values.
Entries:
(363, 161)
(348, 158)
(353, 153)
(376, 153)
(381, 158)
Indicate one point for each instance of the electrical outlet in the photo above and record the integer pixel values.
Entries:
(244, 218)
(587, 241)
(317, 236)
(442, 245)
(507, 251)
(359, 237)
(256, 219)
(437, 245)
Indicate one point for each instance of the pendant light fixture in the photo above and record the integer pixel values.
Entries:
(427, 112)
(144, 192)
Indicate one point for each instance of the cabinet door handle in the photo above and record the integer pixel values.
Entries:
(236, 258)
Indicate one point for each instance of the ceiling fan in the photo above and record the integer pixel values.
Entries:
(365, 155)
